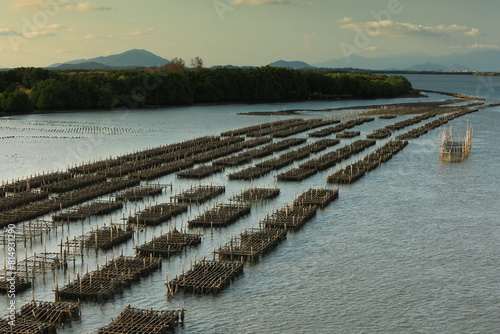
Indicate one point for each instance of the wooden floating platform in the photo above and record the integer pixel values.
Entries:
(250, 173)
(199, 194)
(379, 134)
(51, 312)
(341, 127)
(28, 231)
(221, 215)
(73, 183)
(25, 325)
(348, 134)
(357, 170)
(252, 244)
(206, 277)
(35, 181)
(36, 209)
(41, 263)
(232, 161)
(387, 116)
(21, 284)
(200, 172)
(256, 194)
(107, 237)
(275, 164)
(138, 193)
(157, 214)
(164, 246)
(22, 198)
(258, 127)
(142, 321)
(94, 208)
(318, 197)
(162, 170)
(290, 217)
(330, 159)
(104, 283)
(296, 174)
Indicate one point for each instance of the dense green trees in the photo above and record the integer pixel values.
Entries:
(23, 89)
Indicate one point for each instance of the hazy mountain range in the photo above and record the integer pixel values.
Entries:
(480, 60)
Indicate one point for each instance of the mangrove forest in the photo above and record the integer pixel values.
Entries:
(26, 89)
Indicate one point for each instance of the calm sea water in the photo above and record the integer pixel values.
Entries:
(410, 248)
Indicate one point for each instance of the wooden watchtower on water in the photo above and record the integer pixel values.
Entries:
(452, 149)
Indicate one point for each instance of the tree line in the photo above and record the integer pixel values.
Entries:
(25, 89)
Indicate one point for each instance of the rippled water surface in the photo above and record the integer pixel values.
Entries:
(413, 247)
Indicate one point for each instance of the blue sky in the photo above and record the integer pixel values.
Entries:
(242, 32)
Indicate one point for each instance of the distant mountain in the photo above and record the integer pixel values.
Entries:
(90, 65)
(130, 59)
(481, 60)
(296, 65)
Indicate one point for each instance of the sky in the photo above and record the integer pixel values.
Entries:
(242, 32)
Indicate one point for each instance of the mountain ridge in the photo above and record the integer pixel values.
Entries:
(131, 58)
(480, 60)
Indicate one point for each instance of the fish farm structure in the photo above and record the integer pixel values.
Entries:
(452, 149)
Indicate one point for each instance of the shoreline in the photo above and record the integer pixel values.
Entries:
(69, 111)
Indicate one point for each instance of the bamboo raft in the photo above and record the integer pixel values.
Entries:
(256, 194)
(330, 159)
(259, 127)
(40, 264)
(133, 320)
(357, 170)
(36, 209)
(200, 172)
(250, 173)
(317, 197)
(73, 183)
(105, 237)
(162, 170)
(34, 181)
(21, 198)
(51, 313)
(296, 174)
(348, 134)
(221, 215)
(164, 246)
(252, 244)
(157, 214)
(95, 208)
(111, 279)
(20, 283)
(379, 134)
(25, 325)
(138, 193)
(206, 277)
(28, 231)
(340, 127)
(199, 194)
(290, 217)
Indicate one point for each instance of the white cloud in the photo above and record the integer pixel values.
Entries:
(262, 2)
(345, 20)
(86, 6)
(92, 36)
(142, 32)
(473, 32)
(34, 5)
(371, 48)
(391, 28)
(477, 47)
